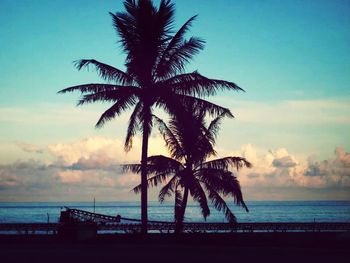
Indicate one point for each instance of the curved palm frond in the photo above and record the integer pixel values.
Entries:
(133, 168)
(125, 25)
(172, 45)
(199, 196)
(220, 204)
(152, 181)
(133, 127)
(163, 163)
(165, 19)
(171, 141)
(181, 56)
(213, 128)
(196, 84)
(95, 88)
(168, 189)
(155, 165)
(222, 182)
(209, 107)
(109, 95)
(106, 71)
(121, 105)
(226, 162)
(174, 103)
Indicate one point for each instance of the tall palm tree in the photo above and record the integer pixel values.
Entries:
(155, 74)
(190, 143)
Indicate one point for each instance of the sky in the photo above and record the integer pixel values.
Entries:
(291, 57)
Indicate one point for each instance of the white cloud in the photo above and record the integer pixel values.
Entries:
(101, 152)
(281, 169)
(70, 176)
(29, 148)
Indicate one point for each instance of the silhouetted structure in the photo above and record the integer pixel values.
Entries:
(154, 76)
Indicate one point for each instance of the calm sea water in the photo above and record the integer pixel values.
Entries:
(260, 211)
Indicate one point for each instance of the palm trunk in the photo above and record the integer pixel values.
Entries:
(180, 221)
(144, 216)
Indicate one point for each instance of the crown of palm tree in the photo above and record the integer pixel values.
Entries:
(190, 142)
(155, 63)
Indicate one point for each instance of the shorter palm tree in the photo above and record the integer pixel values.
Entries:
(190, 143)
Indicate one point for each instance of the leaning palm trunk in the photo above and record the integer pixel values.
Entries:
(144, 216)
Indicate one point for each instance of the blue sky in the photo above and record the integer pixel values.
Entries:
(291, 57)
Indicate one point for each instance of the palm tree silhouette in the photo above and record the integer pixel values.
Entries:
(190, 143)
(154, 77)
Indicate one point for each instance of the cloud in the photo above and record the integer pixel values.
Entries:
(338, 167)
(85, 167)
(101, 152)
(8, 180)
(279, 168)
(70, 176)
(286, 162)
(28, 147)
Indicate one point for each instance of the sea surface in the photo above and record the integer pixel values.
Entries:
(259, 211)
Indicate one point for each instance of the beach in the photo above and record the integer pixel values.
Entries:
(245, 247)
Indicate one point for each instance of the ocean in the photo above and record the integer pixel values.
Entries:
(259, 211)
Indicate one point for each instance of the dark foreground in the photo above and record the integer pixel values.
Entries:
(244, 247)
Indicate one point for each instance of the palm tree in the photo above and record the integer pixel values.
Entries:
(186, 172)
(155, 75)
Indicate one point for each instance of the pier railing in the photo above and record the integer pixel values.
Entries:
(51, 228)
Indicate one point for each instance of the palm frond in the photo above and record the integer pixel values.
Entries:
(109, 95)
(196, 84)
(226, 162)
(170, 139)
(220, 204)
(163, 163)
(222, 182)
(125, 30)
(213, 128)
(156, 164)
(176, 40)
(168, 189)
(133, 126)
(165, 19)
(121, 105)
(133, 168)
(95, 88)
(106, 71)
(181, 56)
(177, 101)
(152, 181)
(198, 195)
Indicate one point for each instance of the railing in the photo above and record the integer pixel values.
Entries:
(29, 228)
(51, 228)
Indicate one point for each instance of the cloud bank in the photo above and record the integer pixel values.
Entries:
(90, 167)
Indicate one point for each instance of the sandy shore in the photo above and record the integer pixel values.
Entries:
(245, 247)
